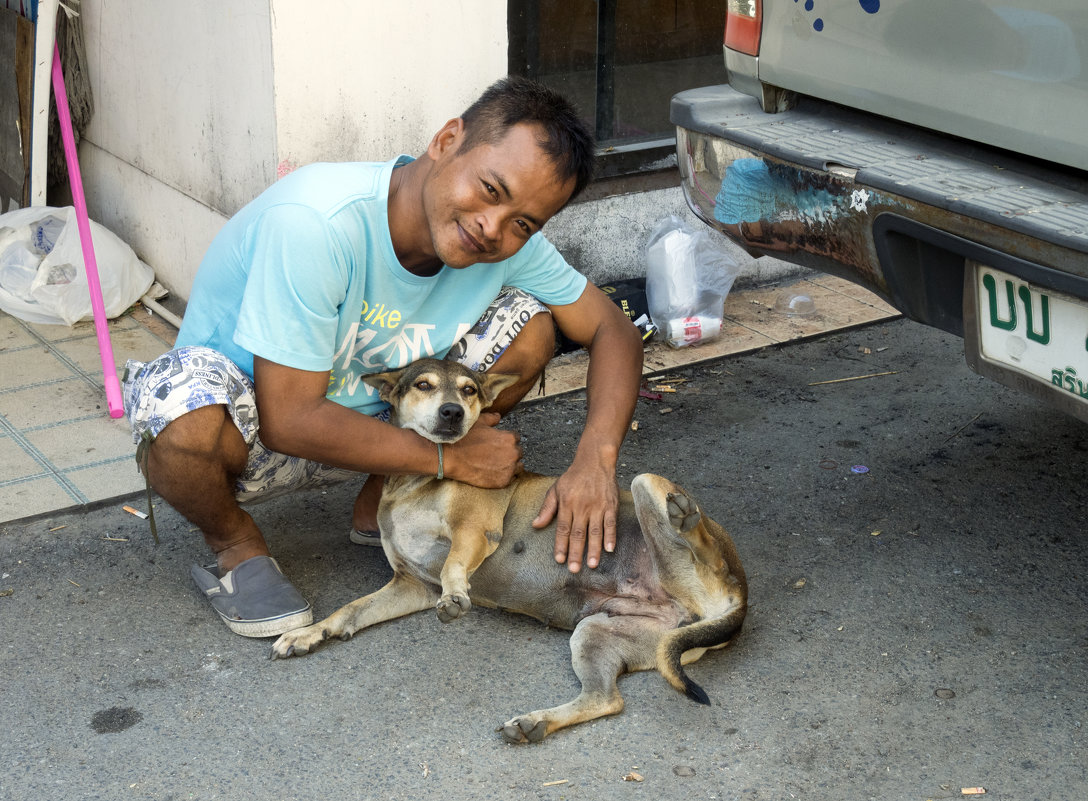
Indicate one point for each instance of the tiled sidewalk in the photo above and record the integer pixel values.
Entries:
(60, 450)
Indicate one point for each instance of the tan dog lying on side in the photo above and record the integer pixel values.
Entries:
(673, 589)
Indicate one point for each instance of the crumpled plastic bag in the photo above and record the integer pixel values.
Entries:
(688, 275)
(43, 278)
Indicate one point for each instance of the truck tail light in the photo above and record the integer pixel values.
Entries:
(743, 25)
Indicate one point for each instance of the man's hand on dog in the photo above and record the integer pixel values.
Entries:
(583, 502)
(486, 456)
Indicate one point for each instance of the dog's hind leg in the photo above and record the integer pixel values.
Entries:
(674, 525)
(403, 595)
(602, 648)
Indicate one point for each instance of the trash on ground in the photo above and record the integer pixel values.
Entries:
(684, 331)
(959, 430)
(852, 378)
(645, 327)
(629, 294)
(43, 278)
(137, 512)
(794, 304)
(688, 275)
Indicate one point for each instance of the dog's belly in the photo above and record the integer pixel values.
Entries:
(522, 576)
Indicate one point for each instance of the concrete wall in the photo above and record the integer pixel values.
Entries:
(200, 105)
(184, 129)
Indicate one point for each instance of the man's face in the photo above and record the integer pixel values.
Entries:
(483, 205)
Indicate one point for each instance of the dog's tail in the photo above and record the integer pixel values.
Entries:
(704, 634)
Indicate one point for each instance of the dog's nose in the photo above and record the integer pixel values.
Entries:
(451, 413)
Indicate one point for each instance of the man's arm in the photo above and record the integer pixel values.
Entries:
(297, 419)
(584, 500)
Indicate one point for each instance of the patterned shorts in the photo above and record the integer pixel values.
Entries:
(184, 379)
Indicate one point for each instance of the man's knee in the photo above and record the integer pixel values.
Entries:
(204, 434)
(534, 345)
(527, 356)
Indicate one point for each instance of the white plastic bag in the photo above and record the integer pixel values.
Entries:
(43, 278)
(688, 275)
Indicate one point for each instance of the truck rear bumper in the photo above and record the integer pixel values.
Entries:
(809, 185)
(906, 213)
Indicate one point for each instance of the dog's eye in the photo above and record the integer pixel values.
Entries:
(423, 385)
(468, 390)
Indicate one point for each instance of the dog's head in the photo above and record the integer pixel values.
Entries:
(437, 399)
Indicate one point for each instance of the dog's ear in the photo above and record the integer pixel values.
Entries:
(383, 382)
(492, 385)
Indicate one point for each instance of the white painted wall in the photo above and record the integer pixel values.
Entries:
(201, 104)
(183, 132)
(366, 80)
(183, 92)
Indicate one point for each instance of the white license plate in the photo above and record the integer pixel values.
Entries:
(1035, 332)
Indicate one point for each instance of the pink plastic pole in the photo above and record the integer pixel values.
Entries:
(105, 348)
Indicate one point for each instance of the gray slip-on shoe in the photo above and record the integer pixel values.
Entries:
(254, 599)
(365, 537)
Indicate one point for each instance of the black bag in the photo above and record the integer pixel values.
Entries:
(630, 295)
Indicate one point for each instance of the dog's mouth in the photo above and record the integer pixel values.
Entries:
(444, 433)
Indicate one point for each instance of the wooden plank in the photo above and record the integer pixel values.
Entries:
(16, 87)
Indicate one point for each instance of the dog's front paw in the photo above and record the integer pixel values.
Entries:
(684, 512)
(452, 606)
(298, 642)
(524, 729)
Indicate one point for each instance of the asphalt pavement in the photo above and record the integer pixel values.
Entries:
(917, 559)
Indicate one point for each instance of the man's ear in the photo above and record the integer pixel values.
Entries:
(448, 139)
(383, 382)
(493, 384)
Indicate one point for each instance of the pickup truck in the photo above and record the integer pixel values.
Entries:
(932, 151)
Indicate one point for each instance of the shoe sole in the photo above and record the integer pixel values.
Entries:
(270, 628)
(365, 537)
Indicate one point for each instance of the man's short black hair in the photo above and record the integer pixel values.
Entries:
(567, 140)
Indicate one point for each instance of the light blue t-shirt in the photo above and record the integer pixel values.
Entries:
(305, 276)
